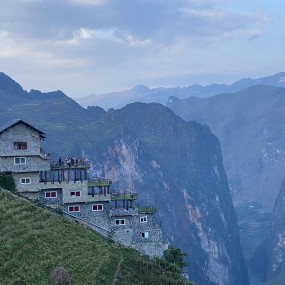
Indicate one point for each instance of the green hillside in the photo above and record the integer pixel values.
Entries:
(33, 241)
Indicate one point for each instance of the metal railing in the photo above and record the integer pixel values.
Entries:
(124, 196)
(99, 182)
(147, 209)
(67, 165)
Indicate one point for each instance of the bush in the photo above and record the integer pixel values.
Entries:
(175, 256)
(7, 182)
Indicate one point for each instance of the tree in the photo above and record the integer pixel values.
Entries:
(60, 276)
(175, 256)
(7, 182)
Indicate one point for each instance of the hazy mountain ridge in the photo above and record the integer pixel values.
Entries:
(171, 163)
(145, 94)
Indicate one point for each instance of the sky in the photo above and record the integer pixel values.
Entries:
(85, 47)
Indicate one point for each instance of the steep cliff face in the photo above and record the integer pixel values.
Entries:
(249, 125)
(176, 166)
(276, 245)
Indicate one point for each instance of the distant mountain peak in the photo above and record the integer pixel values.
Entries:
(8, 84)
(140, 88)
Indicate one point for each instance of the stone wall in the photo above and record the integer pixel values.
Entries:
(54, 202)
(33, 164)
(99, 220)
(20, 133)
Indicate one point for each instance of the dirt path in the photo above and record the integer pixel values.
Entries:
(115, 280)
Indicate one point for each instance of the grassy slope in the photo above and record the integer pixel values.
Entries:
(33, 241)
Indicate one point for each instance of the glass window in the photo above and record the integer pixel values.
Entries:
(19, 160)
(143, 219)
(25, 180)
(51, 194)
(73, 209)
(97, 207)
(74, 194)
(20, 145)
(120, 222)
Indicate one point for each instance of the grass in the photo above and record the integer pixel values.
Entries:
(33, 241)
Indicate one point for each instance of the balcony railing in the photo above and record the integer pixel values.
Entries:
(68, 165)
(123, 212)
(124, 196)
(43, 154)
(148, 209)
(99, 182)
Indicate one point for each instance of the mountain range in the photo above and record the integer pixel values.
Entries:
(145, 94)
(173, 164)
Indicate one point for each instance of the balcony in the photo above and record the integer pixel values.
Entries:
(119, 196)
(99, 182)
(43, 154)
(119, 212)
(148, 209)
(70, 165)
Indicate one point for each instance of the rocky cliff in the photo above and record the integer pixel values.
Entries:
(176, 166)
(269, 259)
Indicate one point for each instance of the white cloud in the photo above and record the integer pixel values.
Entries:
(136, 39)
(87, 2)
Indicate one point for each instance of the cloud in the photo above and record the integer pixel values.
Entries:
(158, 21)
(128, 39)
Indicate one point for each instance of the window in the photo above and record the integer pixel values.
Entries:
(51, 194)
(143, 219)
(20, 145)
(145, 234)
(73, 209)
(19, 160)
(25, 180)
(73, 194)
(97, 207)
(120, 222)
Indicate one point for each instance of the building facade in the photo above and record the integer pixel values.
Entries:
(65, 185)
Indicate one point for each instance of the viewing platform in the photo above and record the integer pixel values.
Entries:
(70, 165)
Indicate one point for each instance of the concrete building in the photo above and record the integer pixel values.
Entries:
(65, 185)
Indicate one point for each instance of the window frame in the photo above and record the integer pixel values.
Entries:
(25, 180)
(50, 193)
(20, 160)
(20, 145)
(120, 222)
(143, 219)
(145, 235)
(73, 210)
(98, 205)
(75, 194)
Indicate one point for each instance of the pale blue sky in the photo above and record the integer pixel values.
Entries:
(96, 46)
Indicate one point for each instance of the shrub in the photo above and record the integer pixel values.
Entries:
(175, 256)
(7, 182)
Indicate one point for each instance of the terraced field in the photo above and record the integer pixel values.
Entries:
(33, 241)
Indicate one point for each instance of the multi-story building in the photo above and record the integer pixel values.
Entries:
(65, 185)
